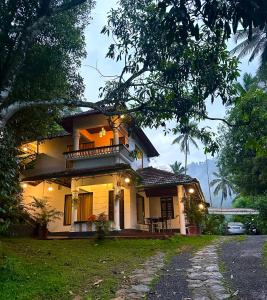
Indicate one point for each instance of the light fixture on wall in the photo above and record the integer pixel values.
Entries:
(102, 132)
(122, 116)
(25, 149)
(127, 180)
(24, 185)
(50, 188)
(191, 190)
(201, 206)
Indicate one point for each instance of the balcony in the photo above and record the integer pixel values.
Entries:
(99, 156)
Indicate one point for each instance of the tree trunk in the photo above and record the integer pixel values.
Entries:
(186, 152)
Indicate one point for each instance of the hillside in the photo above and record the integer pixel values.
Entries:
(199, 171)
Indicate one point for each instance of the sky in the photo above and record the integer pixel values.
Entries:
(97, 47)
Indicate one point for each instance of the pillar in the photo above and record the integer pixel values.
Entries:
(76, 139)
(75, 197)
(117, 191)
(180, 195)
(116, 136)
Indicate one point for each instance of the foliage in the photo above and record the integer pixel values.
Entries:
(171, 64)
(194, 215)
(256, 202)
(244, 153)
(253, 46)
(101, 223)
(43, 213)
(213, 224)
(223, 185)
(46, 66)
(30, 268)
(10, 201)
(177, 168)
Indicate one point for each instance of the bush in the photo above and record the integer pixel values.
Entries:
(214, 224)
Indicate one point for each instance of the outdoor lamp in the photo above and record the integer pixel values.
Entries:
(122, 116)
(127, 179)
(25, 149)
(201, 206)
(50, 188)
(24, 185)
(191, 190)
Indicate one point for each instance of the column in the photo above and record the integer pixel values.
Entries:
(181, 209)
(76, 139)
(116, 136)
(117, 191)
(75, 196)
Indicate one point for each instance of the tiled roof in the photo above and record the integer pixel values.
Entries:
(151, 176)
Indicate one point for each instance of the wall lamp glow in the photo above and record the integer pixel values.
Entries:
(127, 180)
(191, 190)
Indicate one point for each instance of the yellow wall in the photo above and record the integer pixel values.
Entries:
(55, 198)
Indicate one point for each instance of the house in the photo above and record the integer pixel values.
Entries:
(101, 164)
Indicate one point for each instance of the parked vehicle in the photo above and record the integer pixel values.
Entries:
(236, 228)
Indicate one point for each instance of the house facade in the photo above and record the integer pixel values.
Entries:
(100, 164)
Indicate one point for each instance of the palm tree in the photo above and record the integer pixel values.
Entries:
(254, 46)
(177, 168)
(223, 185)
(188, 132)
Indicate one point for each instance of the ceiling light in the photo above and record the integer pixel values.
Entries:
(127, 180)
(191, 190)
(50, 189)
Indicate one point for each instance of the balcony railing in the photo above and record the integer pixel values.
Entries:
(97, 152)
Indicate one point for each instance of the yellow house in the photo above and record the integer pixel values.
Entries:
(100, 164)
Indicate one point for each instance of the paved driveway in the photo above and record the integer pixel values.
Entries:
(244, 270)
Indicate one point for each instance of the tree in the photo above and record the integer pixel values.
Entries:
(177, 168)
(186, 137)
(243, 153)
(254, 46)
(223, 185)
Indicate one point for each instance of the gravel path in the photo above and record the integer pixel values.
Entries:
(244, 269)
(172, 284)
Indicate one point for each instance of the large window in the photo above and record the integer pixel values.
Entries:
(167, 208)
(84, 207)
(111, 205)
(140, 207)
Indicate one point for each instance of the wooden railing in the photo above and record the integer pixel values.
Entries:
(96, 152)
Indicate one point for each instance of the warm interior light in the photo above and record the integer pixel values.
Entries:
(50, 189)
(24, 185)
(102, 132)
(191, 190)
(127, 179)
(201, 206)
(122, 116)
(25, 149)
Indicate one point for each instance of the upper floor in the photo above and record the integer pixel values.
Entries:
(90, 140)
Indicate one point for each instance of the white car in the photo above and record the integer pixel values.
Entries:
(236, 228)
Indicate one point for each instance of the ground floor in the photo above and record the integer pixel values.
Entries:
(147, 200)
(126, 206)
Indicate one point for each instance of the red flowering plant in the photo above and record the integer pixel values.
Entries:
(102, 224)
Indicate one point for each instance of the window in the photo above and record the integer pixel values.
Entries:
(121, 141)
(140, 208)
(111, 205)
(84, 208)
(67, 210)
(167, 208)
(85, 146)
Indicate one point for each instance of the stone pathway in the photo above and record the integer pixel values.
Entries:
(136, 286)
(204, 279)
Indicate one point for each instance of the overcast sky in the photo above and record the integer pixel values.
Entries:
(96, 46)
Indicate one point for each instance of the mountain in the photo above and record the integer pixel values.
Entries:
(199, 171)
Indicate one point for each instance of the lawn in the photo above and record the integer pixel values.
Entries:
(61, 269)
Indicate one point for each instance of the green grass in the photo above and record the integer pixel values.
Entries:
(60, 269)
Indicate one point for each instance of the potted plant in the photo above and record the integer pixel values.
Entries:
(194, 214)
(102, 225)
(43, 214)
